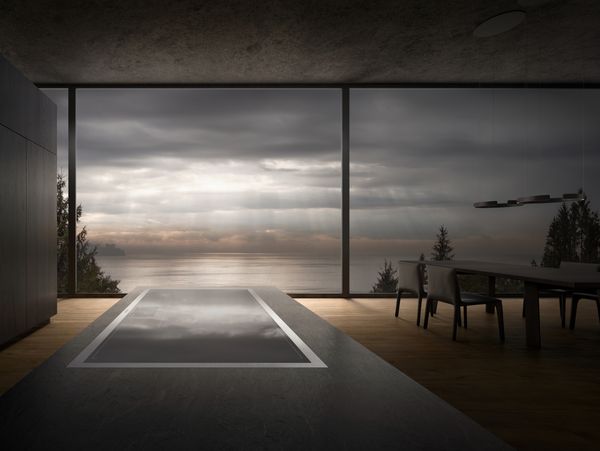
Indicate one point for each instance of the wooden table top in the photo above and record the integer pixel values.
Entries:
(533, 274)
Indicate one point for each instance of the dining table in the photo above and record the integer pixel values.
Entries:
(535, 280)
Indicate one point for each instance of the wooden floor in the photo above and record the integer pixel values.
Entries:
(73, 316)
(546, 399)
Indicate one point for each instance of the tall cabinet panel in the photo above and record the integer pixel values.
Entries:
(13, 262)
(41, 235)
(27, 205)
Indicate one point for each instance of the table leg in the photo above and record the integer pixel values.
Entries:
(489, 308)
(532, 315)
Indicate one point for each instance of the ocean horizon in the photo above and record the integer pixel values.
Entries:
(290, 273)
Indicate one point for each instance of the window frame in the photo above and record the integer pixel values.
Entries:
(344, 156)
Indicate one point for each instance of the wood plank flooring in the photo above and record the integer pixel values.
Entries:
(73, 316)
(546, 399)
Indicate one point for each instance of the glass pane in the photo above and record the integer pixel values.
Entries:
(61, 98)
(212, 187)
(420, 158)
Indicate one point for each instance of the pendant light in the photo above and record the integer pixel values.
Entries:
(577, 197)
(566, 197)
(496, 204)
(489, 204)
(496, 25)
(491, 27)
(580, 196)
(539, 199)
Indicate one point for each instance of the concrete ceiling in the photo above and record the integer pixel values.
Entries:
(302, 41)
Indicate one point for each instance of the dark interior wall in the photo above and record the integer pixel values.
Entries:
(27, 205)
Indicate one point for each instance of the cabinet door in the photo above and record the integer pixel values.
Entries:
(24, 109)
(13, 263)
(41, 235)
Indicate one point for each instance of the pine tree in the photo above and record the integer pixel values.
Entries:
(442, 250)
(561, 239)
(573, 235)
(62, 217)
(90, 277)
(387, 279)
(587, 233)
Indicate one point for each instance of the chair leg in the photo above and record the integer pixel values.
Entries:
(419, 310)
(455, 322)
(427, 308)
(500, 314)
(434, 305)
(562, 301)
(465, 315)
(574, 302)
(598, 308)
(398, 297)
(459, 318)
(523, 314)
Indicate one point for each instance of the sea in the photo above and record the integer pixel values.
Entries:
(290, 273)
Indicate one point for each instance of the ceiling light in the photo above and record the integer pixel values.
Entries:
(499, 24)
(513, 203)
(539, 199)
(496, 204)
(489, 204)
(579, 197)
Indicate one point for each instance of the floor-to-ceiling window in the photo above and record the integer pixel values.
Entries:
(225, 186)
(420, 158)
(209, 186)
(60, 98)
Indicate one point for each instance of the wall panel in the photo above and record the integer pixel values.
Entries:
(27, 205)
(13, 204)
(41, 236)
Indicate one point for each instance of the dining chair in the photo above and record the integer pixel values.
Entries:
(578, 295)
(410, 280)
(442, 286)
(575, 300)
(562, 293)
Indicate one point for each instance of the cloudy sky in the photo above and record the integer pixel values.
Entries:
(422, 157)
(186, 171)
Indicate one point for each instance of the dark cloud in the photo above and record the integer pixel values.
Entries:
(224, 168)
(120, 125)
(418, 126)
(109, 203)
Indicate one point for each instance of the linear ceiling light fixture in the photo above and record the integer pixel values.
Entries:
(496, 204)
(494, 26)
(537, 199)
(578, 197)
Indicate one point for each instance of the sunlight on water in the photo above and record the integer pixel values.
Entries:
(288, 273)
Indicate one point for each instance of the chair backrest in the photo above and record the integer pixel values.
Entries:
(410, 277)
(442, 284)
(580, 267)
